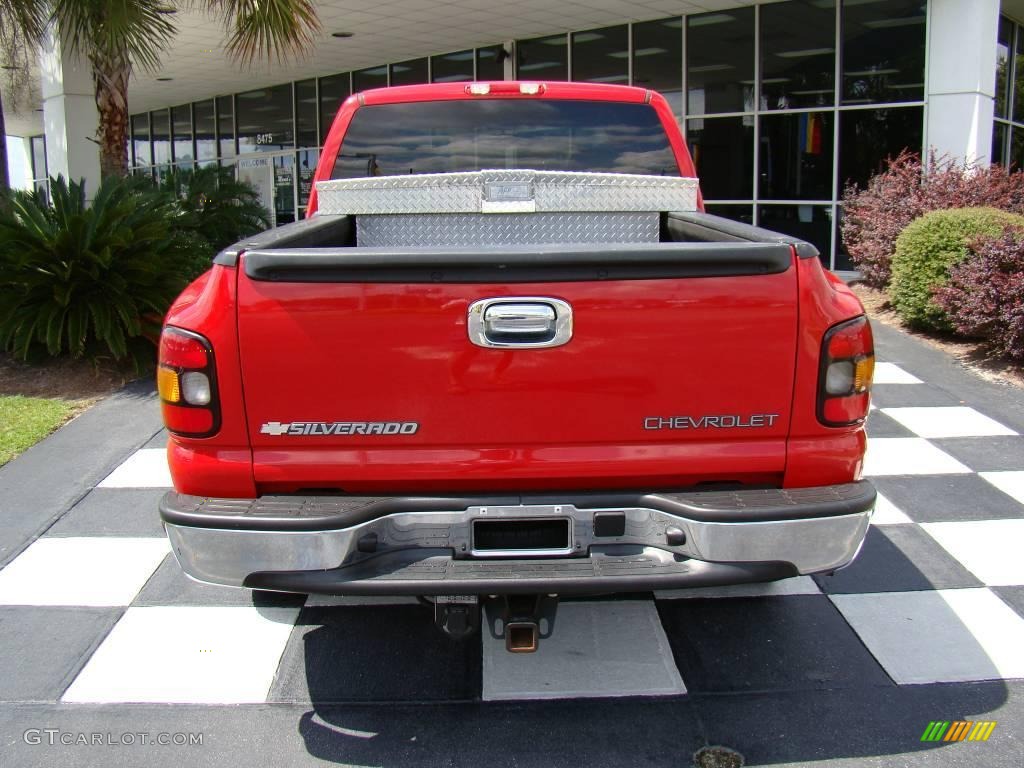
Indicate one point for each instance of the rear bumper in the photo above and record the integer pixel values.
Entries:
(424, 545)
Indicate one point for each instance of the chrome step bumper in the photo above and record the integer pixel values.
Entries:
(424, 545)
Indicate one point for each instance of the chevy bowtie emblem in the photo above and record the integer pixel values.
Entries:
(274, 428)
(325, 428)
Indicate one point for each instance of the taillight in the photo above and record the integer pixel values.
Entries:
(187, 384)
(847, 367)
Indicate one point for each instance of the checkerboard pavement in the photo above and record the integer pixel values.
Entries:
(936, 596)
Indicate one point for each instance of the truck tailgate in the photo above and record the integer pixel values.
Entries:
(360, 375)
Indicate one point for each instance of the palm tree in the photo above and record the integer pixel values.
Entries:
(21, 27)
(117, 35)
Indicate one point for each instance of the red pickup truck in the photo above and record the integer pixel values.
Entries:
(507, 356)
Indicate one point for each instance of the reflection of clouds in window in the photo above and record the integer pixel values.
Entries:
(438, 137)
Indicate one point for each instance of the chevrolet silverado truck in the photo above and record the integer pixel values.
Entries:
(507, 357)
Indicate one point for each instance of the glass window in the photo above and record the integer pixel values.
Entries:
(543, 58)
(798, 54)
(410, 72)
(883, 51)
(364, 79)
(490, 62)
(1017, 149)
(723, 152)
(307, 167)
(1018, 81)
(999, 143)
(812, 223)
(226, 125)
(432, 137)
(452, 67)
(720, 61)
(305, 113)
(284, 190)
(161, 129)
(601, 55)
(796, 156)
(1004, 45)
(39, 157)
(181, 123)
(141, 150)
(744, 213)
(867, 137)
(206, 129)
(843, 260)
(658, 59)
(265, 119)
(333, 91)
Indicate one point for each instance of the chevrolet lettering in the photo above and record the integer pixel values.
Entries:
(726, 421)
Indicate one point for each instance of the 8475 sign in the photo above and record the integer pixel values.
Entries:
(264, 138)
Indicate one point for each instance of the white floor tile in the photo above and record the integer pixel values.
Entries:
(887, 513)
(955, 421)
(798, 585)
(890, 373)
(207, 655)
(597, 649)
(949, 635)
(81, 571)
(146, 468)
(908, 456)
(1010, 483)
(990, 549)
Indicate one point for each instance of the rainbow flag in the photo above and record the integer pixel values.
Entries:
(810, 133)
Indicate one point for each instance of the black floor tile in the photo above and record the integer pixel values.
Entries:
(113, 512)
(881, 425)
(1003, 453)
(44, 648)
(773, 643)
(947, 498)
(375, 653)
(170, 586)
(898, 558)
(1012, 596)
(907, 395)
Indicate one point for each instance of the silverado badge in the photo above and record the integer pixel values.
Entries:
(325, 428)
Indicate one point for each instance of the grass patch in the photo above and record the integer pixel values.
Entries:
(24, 421)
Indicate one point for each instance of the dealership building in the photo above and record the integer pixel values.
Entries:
(782, 103)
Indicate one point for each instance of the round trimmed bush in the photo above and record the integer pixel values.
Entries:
(984, 297)
(926, 250)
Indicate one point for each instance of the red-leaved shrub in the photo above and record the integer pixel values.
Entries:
(984, 297)
(873, 217)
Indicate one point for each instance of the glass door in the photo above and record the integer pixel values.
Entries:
(273, 176)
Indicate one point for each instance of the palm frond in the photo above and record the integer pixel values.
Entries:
(270, 29)
(112, 30)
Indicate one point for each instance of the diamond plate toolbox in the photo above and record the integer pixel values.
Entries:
(401, 230)
(506, 207)
(500, 191)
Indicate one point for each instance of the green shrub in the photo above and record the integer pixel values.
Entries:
(92, 280)
(926, 250)
(218, 207)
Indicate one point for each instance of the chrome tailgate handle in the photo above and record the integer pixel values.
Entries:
(522, 322)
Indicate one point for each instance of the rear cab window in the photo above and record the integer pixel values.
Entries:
(484, 134)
